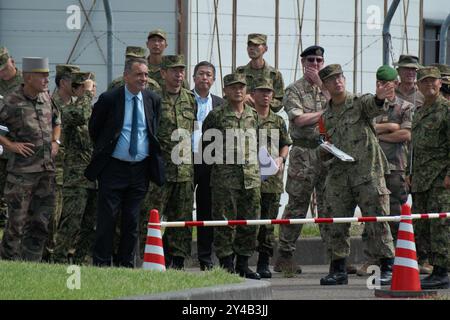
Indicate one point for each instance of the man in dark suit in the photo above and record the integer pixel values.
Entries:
(126, 156)
(204, 77)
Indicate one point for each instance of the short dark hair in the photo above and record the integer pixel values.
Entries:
(205, 64)
(130, 61)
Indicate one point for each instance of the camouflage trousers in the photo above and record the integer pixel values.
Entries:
(372, 197)
(31, 202)
(270, 203)
(395, 182)
(3, 205)
(76, 232)
(233, 204)
(305, 174)
(175, 202)
(53, 225)
(433, 236)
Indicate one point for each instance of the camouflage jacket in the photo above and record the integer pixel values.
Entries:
(266, 72)
(30, 121)
(350, 128)
(243, 172)
(59, 160)
(398, 112)
(302, 97)
(179, 114)
(8, 86)
(275, 129)
(151, 84)
(154, 72)
(430, 144)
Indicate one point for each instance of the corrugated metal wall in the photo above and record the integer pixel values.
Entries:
(39, 28)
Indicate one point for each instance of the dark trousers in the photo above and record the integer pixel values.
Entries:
(122, 187)
(205, 235)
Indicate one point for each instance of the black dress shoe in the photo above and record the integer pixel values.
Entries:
(334, 279)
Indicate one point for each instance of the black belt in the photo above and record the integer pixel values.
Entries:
(129, 163)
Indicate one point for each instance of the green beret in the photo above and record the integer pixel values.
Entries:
(233, 78)
(4, 56)
(257, 38)
(313, 51)
(386, 73)
(173, 61)
(428, 72)
(263, 83)
(330, 70)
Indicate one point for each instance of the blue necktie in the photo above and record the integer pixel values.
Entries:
(134, 129)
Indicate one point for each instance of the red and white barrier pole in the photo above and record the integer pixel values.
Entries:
(222, 223)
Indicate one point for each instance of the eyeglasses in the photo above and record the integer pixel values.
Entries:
(312, 59)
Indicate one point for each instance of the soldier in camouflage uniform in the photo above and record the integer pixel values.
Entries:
(62, 96)
(10, 79)
(235, 186)
(304, 101)
(135, 52)
(430, 178)
(34, 127)
(75, 235)
(258, 67)
(394, 132)
(175, 199)
(348, 184)
(277, 141)
(445, 74)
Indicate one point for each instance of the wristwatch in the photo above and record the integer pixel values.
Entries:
(57, 141)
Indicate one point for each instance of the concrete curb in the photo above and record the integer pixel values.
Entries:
(248, 290)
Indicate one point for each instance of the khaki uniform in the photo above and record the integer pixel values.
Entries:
(272, 188)
(431, 163)
(235, 187)
(76, 231)
(30, 184)
(415, 97)
(175, 199)
(306, 171)
(361, 182)
(267, 72)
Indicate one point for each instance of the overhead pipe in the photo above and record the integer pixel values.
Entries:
(386, 27)
(443, 41)
(110, 43)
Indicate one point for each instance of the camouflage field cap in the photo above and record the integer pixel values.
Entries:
(233, 78)
(428, 72)
(257, 38)
(386, 73)
(4, 56)
(173, 61)
(407, 61)
(313, 51)
(263, 83)
(134, 52)
(443, 68)
(66, 69)
(35, 64)
(159, 33)
(330, 70)
(79, 77)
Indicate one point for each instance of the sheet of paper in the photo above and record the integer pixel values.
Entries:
(267, 165)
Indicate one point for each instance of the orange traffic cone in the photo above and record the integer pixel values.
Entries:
(154, 252)
(405, 272)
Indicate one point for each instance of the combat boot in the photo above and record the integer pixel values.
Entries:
(263, 265)
(338, 274)
(178, 263)
(243, 270)
(227, 263)
(285, 263)
(386, 271)
(436, 280)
